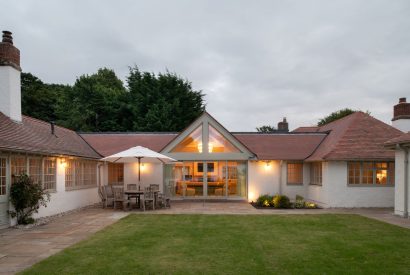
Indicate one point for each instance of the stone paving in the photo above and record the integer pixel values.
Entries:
(21, 248)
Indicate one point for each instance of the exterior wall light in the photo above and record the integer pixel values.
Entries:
(63, 162)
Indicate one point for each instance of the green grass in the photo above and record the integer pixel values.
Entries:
(192, 244)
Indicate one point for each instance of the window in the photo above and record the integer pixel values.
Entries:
(80, 174)
(115, 173)
(49, 174)
(34, 169)
(69, 174)
(295, 173)
(316, 173)
(191, 144)
(371, 173)
(3, 177)
(218, 143)
(18, 167)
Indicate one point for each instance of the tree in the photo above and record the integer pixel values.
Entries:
(93, 103)
(335, 116)
(163, 102)
(265, 129)
(40, 100)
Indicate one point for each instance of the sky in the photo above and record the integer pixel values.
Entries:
(256, 61)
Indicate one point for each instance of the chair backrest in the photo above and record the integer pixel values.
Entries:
(148, 194)
(118, 192)
(131, 186)
(154, 187)
(107, 190)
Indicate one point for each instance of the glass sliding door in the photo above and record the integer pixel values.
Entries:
(189, 179)
(216, 178)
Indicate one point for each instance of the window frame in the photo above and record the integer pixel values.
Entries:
(301, 174)
(54, 180)
(390, 167)
(81, 173)
(319, 176)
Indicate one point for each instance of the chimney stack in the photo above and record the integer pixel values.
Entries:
(401, 115)
(283, 126)
(10, 83)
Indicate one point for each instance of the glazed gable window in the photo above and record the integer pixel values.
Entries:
(295, 173)
(370, 173)
(316, 173)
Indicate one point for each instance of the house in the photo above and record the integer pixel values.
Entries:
(342, 164)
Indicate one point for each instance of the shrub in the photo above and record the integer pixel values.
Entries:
(299, 202)
(310, 205)
(26, 197)
(281, 201)
(264, 200)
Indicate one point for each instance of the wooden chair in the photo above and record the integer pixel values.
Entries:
(107, 195)
(131, 186)
(119, 197)
(148, 198)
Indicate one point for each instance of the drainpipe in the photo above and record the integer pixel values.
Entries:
(406, 182)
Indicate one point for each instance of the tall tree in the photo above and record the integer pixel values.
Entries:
(40, 100)
(335, 116)
(93, 103)
(265, 129)
(163, 102)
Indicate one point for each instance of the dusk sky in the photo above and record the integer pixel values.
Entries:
(256, 61)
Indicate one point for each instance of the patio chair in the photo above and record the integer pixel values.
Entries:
(131, 186)
(107, 195)
(148, 198)
(119, 197)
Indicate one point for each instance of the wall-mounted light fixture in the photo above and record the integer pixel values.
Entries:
(267, 165)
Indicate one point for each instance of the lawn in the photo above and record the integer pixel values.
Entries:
(192, 244)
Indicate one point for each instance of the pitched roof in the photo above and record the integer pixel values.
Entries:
(281, 146)
(402, 139)
(110, 143)
(355, 137)
(265, 146)
(33, 135)
(306, 129)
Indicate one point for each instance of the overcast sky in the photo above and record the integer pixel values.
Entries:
(256, 61)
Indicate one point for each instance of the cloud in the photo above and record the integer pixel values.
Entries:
(256, 61)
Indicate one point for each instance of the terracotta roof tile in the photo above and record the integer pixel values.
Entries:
(357, 136)
(110, 143)
(33, 135)
(306, 129)
(404, 138)
(281, 146)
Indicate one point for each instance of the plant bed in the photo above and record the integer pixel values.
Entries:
(282, 202)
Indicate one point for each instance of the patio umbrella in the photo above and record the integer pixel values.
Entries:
(138, 153)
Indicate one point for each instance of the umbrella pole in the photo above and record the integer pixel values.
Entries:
(139, 173)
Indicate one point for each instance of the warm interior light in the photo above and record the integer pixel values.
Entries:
(381, 175)
(210, 147)
(200, 147)
(63, 162)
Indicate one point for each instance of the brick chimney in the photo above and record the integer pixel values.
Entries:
(10, 83)
(401, 115)
(283, 126)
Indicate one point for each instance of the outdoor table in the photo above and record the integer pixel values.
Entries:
(135, 194)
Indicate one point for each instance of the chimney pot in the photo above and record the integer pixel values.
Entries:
(402, 100)
(283, 126)
(52, 127)
(7, 37)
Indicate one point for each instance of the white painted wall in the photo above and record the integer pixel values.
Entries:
(63, 201)
(338, 194)
(402, 124)
(292, 190)
(399, 184)
(151, 173)
(262, 179)
(10, 92)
